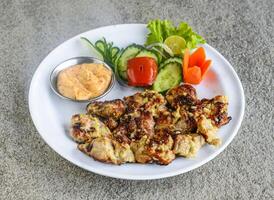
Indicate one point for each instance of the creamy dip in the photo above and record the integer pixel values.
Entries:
(84, 81)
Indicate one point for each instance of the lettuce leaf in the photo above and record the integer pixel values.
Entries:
(159, 30)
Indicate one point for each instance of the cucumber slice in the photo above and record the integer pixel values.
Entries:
(171, 60)
(148, 53)
(168, 77)
(162, 45)
(160, 54)
(130, 52)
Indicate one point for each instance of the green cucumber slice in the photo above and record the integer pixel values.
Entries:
(168, 77)
(171, 60)
(148, 53)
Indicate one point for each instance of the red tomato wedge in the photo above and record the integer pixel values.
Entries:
(141, 71)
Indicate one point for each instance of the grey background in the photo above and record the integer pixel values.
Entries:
(242, 31)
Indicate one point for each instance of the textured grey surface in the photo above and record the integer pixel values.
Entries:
(242, 31)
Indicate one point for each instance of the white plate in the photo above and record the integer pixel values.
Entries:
(51, 114)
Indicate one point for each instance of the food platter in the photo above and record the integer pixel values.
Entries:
(51, 114)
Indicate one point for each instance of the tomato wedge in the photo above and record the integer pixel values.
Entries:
(141, 71)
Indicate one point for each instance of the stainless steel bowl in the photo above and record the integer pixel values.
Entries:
(74, 61)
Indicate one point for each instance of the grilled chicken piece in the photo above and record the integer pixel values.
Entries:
(110, 122)
(138, 120)
(216, 110)
(211, 116)
(194, 116)
(188, 145)
(113, 109)
(164, 119)
(182, 96)
(135, 125)
(138, 124)
(208, 130)
(108, 150)
(144, 128)
(84, 128)
(156, 148)
(100, 149)
(183, 99)
(139, 149)
(108, 112)
(184, 121)
(120, 133)
(160, 147)
(148, 100)
(123, 152)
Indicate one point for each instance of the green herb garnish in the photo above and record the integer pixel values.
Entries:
(106, 49)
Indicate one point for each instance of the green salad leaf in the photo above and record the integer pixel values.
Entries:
(159, 30)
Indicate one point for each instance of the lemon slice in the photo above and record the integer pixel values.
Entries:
(176, 44)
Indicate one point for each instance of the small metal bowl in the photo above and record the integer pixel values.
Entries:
(75, 61)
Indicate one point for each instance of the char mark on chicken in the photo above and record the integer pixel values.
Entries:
(108, 150)
(216, 110)
(160, 146)
(114, 109)
(182, 96)
(148, 100)
(211, 115)
(108, 112)
(84, 128)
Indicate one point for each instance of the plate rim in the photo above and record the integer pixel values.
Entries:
(143, 177)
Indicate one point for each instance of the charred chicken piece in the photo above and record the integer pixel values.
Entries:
(109, 111)
(157, 148)
(136, 124)
(182, 96)
(148, 127)
(108, 150)
(110, 122)
(148, 100)
(194, 116)
(84, 128)
(138, 120)
(184, 121)
(184, 100)
(139, 148)
(164, 119)
(211, 115)
(216, 110)
(188, 145)
(160, 147)
(114, 109)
